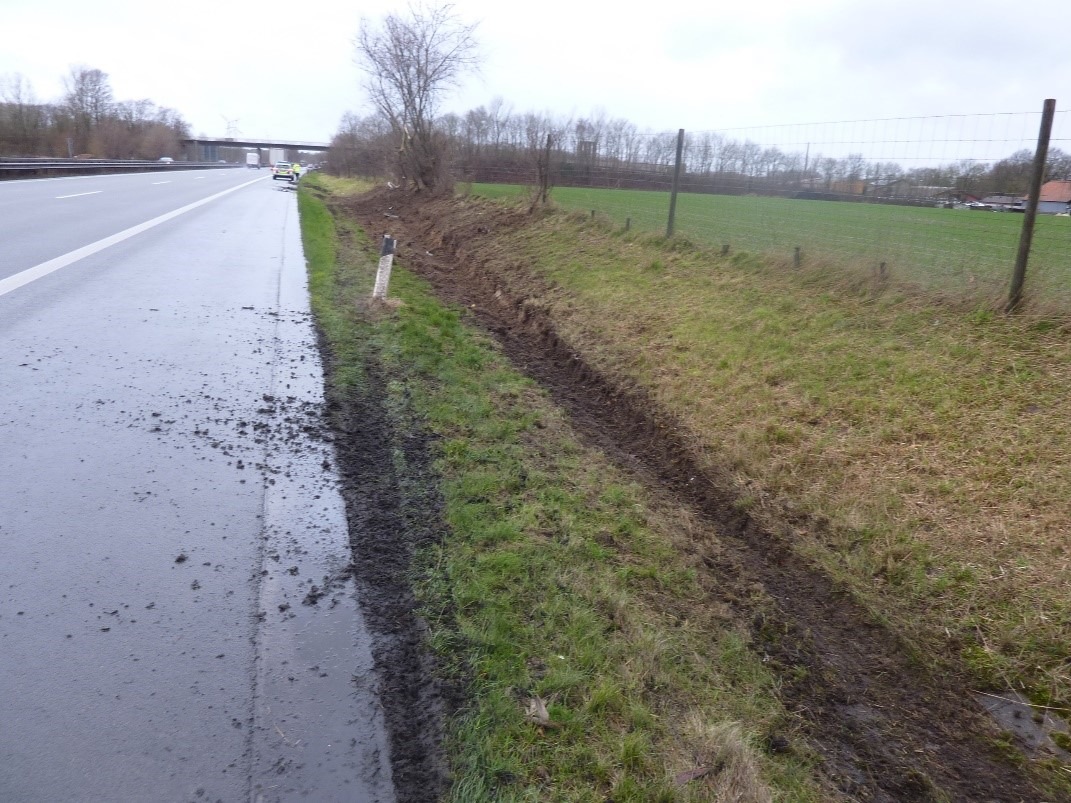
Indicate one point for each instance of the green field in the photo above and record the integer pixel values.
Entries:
(966, 253)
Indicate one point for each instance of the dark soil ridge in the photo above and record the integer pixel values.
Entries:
(888, 730)
(391, 514)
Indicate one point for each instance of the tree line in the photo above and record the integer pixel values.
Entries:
(409, 60)
(85, 121)
(493, 144)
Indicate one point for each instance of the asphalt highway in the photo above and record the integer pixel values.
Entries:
(176, 621)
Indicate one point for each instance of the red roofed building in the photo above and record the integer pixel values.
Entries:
(1055, 197)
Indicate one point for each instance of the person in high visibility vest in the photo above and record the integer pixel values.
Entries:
(297, 170)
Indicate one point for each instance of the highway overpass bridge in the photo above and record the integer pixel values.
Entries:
(212, 149)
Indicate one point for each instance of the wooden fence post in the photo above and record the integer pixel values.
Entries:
(1015, 295)
(676, 183)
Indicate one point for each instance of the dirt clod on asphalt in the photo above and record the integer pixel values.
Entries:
(887, 729)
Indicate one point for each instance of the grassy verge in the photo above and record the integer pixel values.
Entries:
(332, 295)
(927, 446)
(597, 665)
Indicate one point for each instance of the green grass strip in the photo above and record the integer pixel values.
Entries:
(558, 582)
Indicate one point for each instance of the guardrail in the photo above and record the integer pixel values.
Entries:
(42, 168)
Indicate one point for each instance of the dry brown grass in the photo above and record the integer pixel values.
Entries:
(722, 748)
(929, 442)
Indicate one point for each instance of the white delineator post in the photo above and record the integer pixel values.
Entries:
(386, 257)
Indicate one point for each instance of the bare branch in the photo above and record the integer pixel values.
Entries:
(409, 62)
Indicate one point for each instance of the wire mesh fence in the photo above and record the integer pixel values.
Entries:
(932, 201)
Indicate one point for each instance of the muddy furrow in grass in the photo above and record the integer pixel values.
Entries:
(390, 517)
(888, 729)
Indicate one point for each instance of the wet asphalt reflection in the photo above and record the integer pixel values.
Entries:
(177, 620)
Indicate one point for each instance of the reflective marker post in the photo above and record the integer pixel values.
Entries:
(386, 257)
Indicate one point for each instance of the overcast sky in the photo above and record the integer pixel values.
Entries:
(286, 70)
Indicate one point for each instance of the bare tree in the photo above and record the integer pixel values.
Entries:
(970, 175)
(88, 100)
(1059, 165)
(1012, 174)
(854, 166)
(409, 62)
(793, 169)
(362, 147)
(661, 149)
(727, 158)
(541, 192)
(498, 116)
(475, 128)
(702, 152)
(21, 116)
(826, 167)
(544, 136)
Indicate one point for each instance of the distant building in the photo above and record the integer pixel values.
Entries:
(1004, 202)
(903, 188)
(1055, 197)
(848, 187)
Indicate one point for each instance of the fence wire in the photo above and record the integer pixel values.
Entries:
(931, 201)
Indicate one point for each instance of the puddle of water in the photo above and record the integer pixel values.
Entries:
(1031, 726)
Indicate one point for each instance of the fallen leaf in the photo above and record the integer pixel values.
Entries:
(691, 775)
(536, 712)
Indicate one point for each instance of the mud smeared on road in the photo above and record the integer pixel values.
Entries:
(887, 729)
(392, 512)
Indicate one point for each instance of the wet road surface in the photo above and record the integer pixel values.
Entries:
(43, 218)
(176, 618)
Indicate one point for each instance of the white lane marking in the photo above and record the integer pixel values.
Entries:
(79, 194)
(14, 181)
(45, 268)
(198, 178)
(161, 182)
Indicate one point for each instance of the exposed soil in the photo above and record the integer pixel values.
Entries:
(887, 729)
(391, 514)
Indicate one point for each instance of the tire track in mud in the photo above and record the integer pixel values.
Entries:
(887, 729)
(392, 513)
